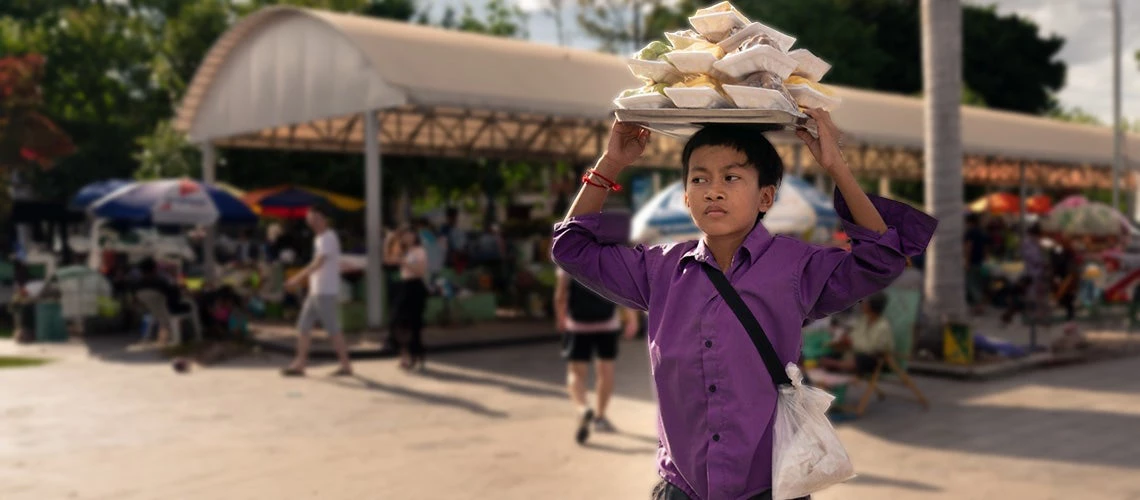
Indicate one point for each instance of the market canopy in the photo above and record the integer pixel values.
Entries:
(290, 78)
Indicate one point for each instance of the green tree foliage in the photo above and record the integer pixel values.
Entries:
(502, 19)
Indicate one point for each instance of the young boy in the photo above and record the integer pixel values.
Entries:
(716, 398)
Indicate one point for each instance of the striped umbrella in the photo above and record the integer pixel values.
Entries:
(1089, 219)
(291, 202)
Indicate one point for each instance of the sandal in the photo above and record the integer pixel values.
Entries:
(292, 372)
(342, 372)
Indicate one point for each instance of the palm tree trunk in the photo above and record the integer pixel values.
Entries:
(942, 85)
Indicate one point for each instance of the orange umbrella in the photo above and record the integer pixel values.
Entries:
(1040, 204)
(997, 204)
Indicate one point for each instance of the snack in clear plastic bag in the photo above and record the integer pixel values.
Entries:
(681, 40)
(717, 26)
(654, 71)
(722, 7)
(655, 51)
(697, 58)
(759, 57)
(747, 93)
(701, 91)
(737, 37)
(809, 94)
(809, 65)
(651, 96)
(807, 453)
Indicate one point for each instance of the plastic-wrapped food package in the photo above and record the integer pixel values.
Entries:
(807, 453)
(767, 80)
(809, 65)
(651, 96)
(757, 54)
(696, 58)
(809, 94)
(681, 40)
(701, 91)
(758, 40)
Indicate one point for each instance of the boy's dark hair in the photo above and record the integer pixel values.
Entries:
(877, 303)
(1035, 230)
(748, 139)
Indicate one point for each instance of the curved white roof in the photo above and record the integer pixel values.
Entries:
(284, 66)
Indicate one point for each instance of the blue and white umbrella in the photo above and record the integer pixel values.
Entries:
(92, 192)
(173, 202)
(799, 208)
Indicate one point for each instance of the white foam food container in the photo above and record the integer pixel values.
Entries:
(736, 40)
(808, 97)
(697, 97)
(760, 58)
(654, 71)
(680, 41)
(809, 65)
(652, 100)
(692, 62)
(716, 27)
(746, 97)
(722, 7)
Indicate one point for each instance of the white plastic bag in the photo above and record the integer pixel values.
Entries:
(807, 455)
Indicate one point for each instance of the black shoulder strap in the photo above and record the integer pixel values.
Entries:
(759, 339)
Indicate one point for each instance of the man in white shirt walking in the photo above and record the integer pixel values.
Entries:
(323, 298)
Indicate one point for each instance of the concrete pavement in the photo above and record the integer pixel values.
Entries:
(103, 423)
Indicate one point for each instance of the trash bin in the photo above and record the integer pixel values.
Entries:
(50, 326)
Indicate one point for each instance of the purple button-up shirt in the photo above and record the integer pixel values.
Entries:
(717, 400)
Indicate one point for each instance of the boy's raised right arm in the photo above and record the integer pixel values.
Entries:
(592, 246)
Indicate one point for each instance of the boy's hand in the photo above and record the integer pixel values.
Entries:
(824, 148)
(627, 143)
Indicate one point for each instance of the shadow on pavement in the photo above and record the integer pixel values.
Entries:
(873, 480)
(543, 363)
(364, 383)
(1071, 436)
(624, 450)
(469, 378)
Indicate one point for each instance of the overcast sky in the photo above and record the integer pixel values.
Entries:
(1085, 25)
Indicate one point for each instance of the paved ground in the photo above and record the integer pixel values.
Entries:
(495, 424)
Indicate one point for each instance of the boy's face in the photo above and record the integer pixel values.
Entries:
(723, 192)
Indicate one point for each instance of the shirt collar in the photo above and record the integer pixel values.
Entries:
(754, 245)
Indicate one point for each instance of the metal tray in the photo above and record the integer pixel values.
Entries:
(682, 123)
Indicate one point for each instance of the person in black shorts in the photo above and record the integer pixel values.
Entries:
(590, 325)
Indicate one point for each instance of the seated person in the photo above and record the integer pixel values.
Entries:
(871, 336)
(152, 280)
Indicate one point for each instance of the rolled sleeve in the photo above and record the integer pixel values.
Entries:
(831, 279)
(593, 249)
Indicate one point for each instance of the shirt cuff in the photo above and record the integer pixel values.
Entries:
(909, 230)
(608, 228)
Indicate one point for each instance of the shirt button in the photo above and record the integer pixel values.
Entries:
(716, 437)
(712, 388)
(708, 343)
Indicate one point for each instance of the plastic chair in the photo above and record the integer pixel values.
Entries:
(155, 303)
(903, 309)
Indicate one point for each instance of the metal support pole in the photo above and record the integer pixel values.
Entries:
(1117, 131)
(209, 176)
(373, 230)
(1031, 313)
